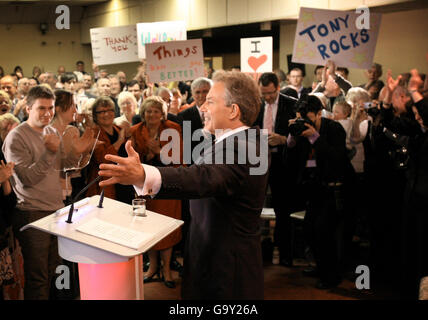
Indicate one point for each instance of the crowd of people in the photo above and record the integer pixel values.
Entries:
(353, 157)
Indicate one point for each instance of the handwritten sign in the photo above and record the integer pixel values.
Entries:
(175, 60)
(256, 55)
(114, 45)
(159, 32)
(323, 35)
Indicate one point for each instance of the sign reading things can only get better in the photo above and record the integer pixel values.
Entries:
(175, 60)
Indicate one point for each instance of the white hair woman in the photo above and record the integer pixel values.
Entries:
(358, 99)
(128, 107)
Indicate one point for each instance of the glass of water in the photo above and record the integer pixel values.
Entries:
(139, 207)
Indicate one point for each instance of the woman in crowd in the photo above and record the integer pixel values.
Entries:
(18, 71)
(146, 141)
(36, 72)
(113, 138)
(65, 114)
(7, 122)
(8, 202)
(128, 108)
(5, 103)
(358, 99)
(9, 274)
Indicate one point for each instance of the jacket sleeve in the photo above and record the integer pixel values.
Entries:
(330, 150)
(344, 84)
(200, 181)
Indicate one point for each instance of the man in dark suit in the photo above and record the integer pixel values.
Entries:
(223, 258)
(275, 112)
(317, 156)
(193, 116)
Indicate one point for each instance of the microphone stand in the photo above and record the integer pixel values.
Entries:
(100, 204)
(289, 97)
(70, 213)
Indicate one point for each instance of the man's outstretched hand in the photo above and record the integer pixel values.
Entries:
(128, 171)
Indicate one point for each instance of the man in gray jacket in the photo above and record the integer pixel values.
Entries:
(36, 149)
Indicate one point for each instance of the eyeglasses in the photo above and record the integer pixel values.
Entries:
(270, 93)
(104, 111)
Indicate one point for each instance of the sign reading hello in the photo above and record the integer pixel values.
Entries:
(159, 32)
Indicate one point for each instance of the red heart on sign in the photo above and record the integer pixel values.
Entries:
(255, 63)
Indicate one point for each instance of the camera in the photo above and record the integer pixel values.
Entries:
(368, 105)
(298, 127)
(371, 109)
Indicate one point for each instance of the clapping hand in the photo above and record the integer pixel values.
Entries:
(84, 143)
(52, 142)
(391, 84)
(415, 81)
(6, 171)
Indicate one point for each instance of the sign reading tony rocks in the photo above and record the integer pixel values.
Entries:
(114, 45)
(347, 38)
(159, 32)
(175, 60)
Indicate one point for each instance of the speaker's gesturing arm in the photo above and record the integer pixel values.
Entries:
(128, 171)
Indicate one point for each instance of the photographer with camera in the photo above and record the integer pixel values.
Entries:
(316, 153)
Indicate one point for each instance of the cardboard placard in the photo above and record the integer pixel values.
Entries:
(340, 36)
(114, 45)
(159, 32)
(256, 54)
(175, 60)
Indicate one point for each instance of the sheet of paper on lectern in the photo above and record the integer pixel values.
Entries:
(117, 234)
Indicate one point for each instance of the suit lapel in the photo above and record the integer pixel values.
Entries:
(197, 118)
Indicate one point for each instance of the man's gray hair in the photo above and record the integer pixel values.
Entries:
(200, 82)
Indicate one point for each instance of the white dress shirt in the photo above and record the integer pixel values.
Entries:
(274, 112)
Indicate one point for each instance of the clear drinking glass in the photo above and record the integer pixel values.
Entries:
(139, 207)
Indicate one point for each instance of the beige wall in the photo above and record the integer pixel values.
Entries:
(402, 45)
(203, 14)
(402, 42)
(22, 45)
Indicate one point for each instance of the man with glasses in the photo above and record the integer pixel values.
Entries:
(275, 112)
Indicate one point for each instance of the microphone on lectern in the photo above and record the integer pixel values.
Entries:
(100, 204)
(70, 213)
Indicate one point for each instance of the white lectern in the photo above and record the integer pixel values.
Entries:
(108, 246)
